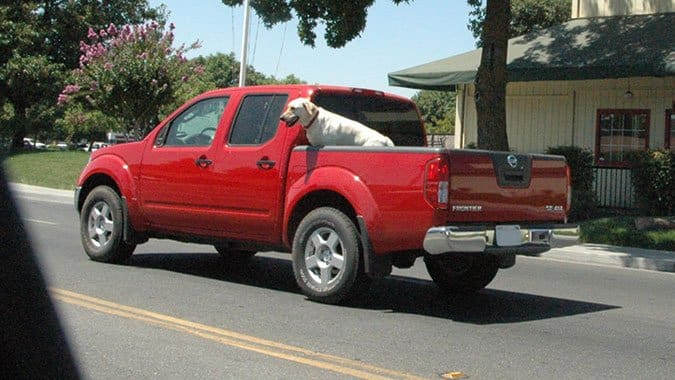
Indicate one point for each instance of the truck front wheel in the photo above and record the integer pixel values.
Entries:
(327, 261)
(461, 273)
(102, 225)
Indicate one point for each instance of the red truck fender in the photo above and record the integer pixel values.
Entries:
(118, 171)
(339, 181)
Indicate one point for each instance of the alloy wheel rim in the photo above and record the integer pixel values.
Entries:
(324, 256)
(100, 224)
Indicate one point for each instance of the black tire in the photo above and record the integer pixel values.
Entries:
(233, 254)
(327, 257)
(102, 225)
(462, 273)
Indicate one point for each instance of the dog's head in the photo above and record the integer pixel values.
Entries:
(300, 110)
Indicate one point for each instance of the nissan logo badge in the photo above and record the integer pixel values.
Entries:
(512, 160)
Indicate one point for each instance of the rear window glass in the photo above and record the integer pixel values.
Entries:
(393, 118)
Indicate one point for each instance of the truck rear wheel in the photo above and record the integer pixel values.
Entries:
(327, 261)
(102, 226)
(461, 273)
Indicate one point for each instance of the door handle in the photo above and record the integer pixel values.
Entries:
(203, 162)
(266, 164)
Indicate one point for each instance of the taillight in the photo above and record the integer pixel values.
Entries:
(437, 183)
(568, 174)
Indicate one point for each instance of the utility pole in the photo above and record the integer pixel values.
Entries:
(244, 45)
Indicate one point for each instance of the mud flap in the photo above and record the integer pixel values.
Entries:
(374, 266)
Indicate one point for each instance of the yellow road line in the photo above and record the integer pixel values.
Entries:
(278, 350)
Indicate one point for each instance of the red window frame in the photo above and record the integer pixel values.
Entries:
(667, 143)
(598, 134)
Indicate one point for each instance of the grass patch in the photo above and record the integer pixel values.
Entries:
(58, 170)
(621, 231)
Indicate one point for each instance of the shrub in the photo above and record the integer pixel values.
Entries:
(584, 203)
(621, 231)
(129, 74)
(653, 177)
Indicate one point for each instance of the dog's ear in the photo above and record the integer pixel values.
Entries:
(309, 107)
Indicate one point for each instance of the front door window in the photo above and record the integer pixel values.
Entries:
(195, 126)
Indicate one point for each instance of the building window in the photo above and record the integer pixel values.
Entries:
(670, 130)
(620, 131)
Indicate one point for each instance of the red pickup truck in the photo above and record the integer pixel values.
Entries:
(224, 170)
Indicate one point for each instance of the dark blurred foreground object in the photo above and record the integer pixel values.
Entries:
(32, 342)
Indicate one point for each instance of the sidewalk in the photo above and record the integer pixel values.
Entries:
(37, 190)
(625, 257)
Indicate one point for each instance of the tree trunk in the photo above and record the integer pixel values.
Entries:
(19, 129)
(492, 76)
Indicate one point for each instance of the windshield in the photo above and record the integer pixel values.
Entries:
(395, 119)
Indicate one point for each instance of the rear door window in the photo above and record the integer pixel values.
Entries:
(394, 118)
(258, 119)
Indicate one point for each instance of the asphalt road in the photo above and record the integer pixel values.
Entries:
(180, 311)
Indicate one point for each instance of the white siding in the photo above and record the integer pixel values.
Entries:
(545, 114)
(653, 94)
(538, 116)
(601, 8)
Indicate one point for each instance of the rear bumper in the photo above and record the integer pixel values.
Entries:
(506, 239)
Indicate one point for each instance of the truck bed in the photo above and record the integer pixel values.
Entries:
(387, 187)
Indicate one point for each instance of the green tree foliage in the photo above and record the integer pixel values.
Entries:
(222, 70)
(653, 177)
(343, 20)
(580, 161)
(130, 73)
(78, 123)
(39, 44)
(67, 22)
(29, 80)
(437, 109)
(25, 72)
(526, 16)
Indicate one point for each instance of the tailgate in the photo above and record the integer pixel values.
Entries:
(506, 187)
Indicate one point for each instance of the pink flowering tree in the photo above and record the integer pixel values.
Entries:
(129, 73)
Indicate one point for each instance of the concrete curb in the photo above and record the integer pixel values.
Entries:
(624, 257)
(37, 190)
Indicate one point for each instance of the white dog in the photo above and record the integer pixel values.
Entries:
(327, 128)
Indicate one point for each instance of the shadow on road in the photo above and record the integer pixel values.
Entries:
(395, 294)
(489, 306)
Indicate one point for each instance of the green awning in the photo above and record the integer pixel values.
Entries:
(581, 49)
